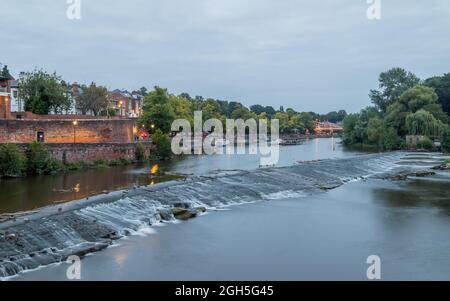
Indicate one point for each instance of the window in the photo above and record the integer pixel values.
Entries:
(40, 137)
(15, 94)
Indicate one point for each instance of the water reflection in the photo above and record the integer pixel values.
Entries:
(413, 194)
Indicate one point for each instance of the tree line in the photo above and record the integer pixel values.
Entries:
(403, 105)
(161, 108)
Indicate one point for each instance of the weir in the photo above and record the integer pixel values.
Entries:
(53, 233)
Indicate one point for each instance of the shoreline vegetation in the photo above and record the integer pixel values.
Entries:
(407, 114)
(37, 160)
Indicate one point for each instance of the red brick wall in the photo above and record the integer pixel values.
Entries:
(92, 152)
(62, 131)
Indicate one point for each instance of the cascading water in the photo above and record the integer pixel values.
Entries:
(54, 234)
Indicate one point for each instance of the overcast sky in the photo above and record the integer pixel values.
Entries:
(317, 55)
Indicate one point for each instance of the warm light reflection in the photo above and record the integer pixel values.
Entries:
(77, 188)
(152, 182)
(154, 169)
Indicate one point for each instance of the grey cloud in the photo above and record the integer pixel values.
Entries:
(310, 55)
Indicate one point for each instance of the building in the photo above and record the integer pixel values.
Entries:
(327, 128)
(126, 104)
(5, 97)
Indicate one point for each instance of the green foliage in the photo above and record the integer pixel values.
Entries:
(414, 111)
(38, 158)
(157, 110)
(44, 93)
(12, 161)
(139, 153)
(54, 166)
(92, 99)
(423, 123)
(425, 143)
(162, 145)
(73, 166)
(349, 124)
(390, 139)
(375, 129)
(392, 84)
(5, 72)
(99, 163)
(291, 121)
(446, 139)
(441, 85)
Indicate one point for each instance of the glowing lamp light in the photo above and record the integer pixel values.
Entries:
(75, 122)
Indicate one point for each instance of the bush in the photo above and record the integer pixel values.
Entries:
(139, 153)
(99, 163)
(425, 143)
(12, 161)
(446, 139)
(162, 145)
(39, 159)
(55, 166)
(390, 140)
(76, 165)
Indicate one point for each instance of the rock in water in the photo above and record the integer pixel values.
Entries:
(183, 214)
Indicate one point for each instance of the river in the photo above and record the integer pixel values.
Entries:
(282, 228)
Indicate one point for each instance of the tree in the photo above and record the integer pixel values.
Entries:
(441, 85)
(392, 84)
(5, 72)
(243, 113)
(424, 123)
(143, 91)
(307, 121)
(423, 98)
(349, 125)
(257, 109)
(38, 158)
(186, 96)
(375, 130)
(12, 161)
(163, 148)
(157, 110)
(44, 93)
(182, 107)
(92, 99)
(284, 122)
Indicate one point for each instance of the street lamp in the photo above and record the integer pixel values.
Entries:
(74, 123)
(120, 107)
